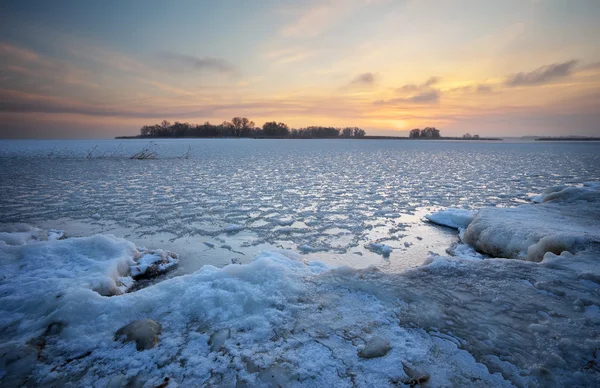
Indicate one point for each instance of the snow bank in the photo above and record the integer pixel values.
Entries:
(279, 320)
(566, 220)
(275, 320)
(452, 218)
(20, 234)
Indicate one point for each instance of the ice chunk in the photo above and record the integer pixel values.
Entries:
(566, 220)
(540, 198)
(376, 347)
(20, 234)
(233, 228)
(285, 221)
(452, 218)
(152, 263)
(380, 248)
(305, 248)
(55, 234)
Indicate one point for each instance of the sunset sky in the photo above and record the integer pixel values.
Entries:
(97, 69)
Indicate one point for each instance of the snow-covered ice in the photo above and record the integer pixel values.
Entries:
(380, 248)
(281, 320)
(566, 220)
(364, 191)
(152, 263)
(68, 305)
(452, 218)
(307, 324)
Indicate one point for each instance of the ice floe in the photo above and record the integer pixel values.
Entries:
(452, 218)
(566, 220)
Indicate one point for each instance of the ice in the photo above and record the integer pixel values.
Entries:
(285, 221)
(540, 198)
(367, 188)
(452, 218)
(152, 263)
(279, 319)
(20, 234)
(305, 248)
(566, 221)
(380, 248)
(275, 319)
(233, 228)
(463, 320)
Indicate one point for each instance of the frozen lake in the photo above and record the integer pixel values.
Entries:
(233, 198)
(353, 287)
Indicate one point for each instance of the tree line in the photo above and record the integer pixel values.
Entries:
(242, 127)
(427, 133)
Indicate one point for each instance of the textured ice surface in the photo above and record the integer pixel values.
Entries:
(275, 319)
(279, 320)
(336, 196)
(287, 320)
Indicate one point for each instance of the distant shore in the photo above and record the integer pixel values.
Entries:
(568, 139)
(306, 138)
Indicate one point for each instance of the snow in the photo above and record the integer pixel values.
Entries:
(153, 262)
(276, 318)
(19, 234)
(281, 319)
(374, 191)
(380, 248)
(452, 218)
(233, 228)
(305, 248)
(467, 319)
(565, 221)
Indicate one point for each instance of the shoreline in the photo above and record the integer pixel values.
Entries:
(264, 320)
(309, 138)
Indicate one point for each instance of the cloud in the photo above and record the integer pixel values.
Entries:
(426, 97)
(289, 55)
(475, 88)
(184, 62)
(424, 93)
(363, 79)
(483, 89)
(414, 87)
(542, 75)
(19, 53)
(20, 102)
(321, 16)
(590, 66)
(313, 22)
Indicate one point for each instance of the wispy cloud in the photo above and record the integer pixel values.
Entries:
(542, 75)
(289, 55)
(364, 79)
(418, 87)
(590, 66)
(18, 53)
(424, 93)
(184, 62)
(475, 88)
(425, 97)
(317, 18)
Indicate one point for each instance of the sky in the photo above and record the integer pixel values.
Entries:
(98, 69)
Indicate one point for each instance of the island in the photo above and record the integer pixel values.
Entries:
(242, 127)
